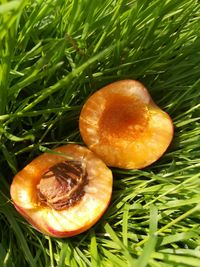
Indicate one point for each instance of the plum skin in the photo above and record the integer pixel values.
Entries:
(57, 223)
(123, 145)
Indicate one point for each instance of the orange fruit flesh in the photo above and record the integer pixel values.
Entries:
(75, 219)
(123, 126)
(124, 117)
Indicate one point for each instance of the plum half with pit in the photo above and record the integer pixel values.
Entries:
(124, 127)
(64, 193)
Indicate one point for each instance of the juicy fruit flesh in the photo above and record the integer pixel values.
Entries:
(124, 127)
(76, 219)
(123, 117)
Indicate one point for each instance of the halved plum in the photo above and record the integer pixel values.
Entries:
(124, 127)
(65, 193)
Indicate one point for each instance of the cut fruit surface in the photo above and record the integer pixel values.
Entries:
(62, 197)
(124, 127)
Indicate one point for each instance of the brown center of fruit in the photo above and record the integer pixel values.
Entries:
(62, 186)
(123, 117)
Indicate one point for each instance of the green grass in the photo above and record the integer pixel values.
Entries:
(53, 55)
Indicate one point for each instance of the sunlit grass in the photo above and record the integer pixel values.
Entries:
(53, 55)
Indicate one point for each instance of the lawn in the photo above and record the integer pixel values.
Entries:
(53, 55)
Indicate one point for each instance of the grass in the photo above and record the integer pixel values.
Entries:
(53, 55)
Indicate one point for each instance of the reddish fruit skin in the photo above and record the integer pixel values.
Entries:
(76, 219)
(124, 127)
(28, 219)
(51, 231)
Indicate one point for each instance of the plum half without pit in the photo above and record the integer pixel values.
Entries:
(124, 127)
(64, 193)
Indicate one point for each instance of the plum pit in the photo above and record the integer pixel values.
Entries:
(62, 185)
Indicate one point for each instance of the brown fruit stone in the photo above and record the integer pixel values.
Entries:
(124, 127)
